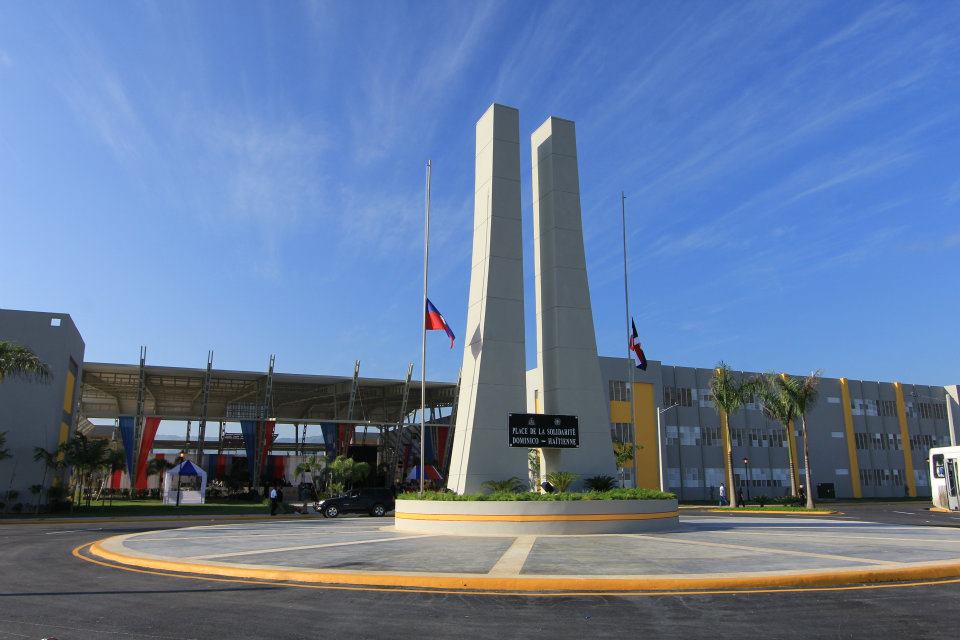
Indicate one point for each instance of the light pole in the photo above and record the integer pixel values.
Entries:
(660, 412)
(746, 463)
(179, 475)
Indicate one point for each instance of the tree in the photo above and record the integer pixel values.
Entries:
(803, 395)
(729, 395)
(17, 361)
(86, 457)
(159, 466)
(510, 485)
(623, 453)
(778, 407)
(347, 471)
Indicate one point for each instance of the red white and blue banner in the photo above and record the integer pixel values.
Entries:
(436, 322)
(636, 348)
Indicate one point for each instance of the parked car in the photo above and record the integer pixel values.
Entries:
(373, 500)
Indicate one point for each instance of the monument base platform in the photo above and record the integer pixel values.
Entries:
(560, 517)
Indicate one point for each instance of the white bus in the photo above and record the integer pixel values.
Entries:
(945, 477)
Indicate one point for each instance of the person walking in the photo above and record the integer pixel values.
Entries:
(274, 500)
(740, 501)
(723, 495)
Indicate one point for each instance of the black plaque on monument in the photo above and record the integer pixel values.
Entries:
(541, 431)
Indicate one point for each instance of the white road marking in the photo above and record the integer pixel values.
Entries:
(513, 559)
(53, 533)
(906, 513)
(300, 548)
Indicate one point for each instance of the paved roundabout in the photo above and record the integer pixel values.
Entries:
(704, 554)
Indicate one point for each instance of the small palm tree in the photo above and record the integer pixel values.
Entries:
(778, 407)
(36, 489)
(562, 480)
(510, 485)
(599, 483)
(17, 361)
(803, 395)
(729, 395)
(623, 453)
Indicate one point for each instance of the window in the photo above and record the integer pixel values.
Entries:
(621, 432)
(682, 396)
(887, 408)
(619, 391)
(711, 437)
(54, 322)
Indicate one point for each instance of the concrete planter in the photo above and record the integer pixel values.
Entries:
(536, 517)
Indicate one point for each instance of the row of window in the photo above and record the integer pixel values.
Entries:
(882, 477)
(712, 477)
(879, 441)
(932, 410)
(619, 391)
(758, 438)
(682, 396)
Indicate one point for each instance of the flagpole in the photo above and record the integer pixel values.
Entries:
(423, 333)
(626, 302)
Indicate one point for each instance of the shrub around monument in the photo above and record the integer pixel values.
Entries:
(505, 496)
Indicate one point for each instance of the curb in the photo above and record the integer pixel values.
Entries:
(147, 519)
(779, 513)
(523, 584)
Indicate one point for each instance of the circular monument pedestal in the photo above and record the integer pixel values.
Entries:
(560, 517)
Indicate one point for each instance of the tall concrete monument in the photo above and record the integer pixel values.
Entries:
(568, 376)
(492, 378)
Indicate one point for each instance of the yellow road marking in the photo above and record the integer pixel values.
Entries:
(567, 594)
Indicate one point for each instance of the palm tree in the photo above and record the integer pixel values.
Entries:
(561, 480)
(347, 471)
(803, 396)
(623, 453)
(114, 461)
(86, 456)
(728, 396)
(778, 407)
(158, 466)
(18, 361)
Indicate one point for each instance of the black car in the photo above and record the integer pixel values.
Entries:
(375, 501)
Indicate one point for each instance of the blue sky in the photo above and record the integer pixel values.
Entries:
(248, 177)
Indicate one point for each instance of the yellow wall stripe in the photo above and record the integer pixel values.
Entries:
(905, 436)
(646, 460)
(68, 393)
(851, 439)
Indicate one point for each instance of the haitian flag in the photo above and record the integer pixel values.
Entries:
(636, 348)
(435, 322)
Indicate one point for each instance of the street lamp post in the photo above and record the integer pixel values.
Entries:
(660, 441)
(746, 463)
(179, 475)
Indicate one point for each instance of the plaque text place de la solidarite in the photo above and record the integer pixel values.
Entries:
(540, 431)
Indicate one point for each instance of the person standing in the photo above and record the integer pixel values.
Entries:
(723, 495)
(274, 500)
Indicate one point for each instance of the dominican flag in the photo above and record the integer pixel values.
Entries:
(435, 322)
(635, 346)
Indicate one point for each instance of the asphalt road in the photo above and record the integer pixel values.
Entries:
(45, 592)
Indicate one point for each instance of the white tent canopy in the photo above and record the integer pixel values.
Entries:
(184, 478)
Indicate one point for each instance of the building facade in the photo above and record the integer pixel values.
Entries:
(38, 414)
(867, 439)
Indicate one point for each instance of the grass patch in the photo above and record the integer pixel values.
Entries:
(529, 496)
(156, 508)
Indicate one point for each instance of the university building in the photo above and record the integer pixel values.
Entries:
(867, 439)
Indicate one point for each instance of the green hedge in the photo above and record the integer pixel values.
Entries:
(613, 494)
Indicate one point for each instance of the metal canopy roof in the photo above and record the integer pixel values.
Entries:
(174, 393)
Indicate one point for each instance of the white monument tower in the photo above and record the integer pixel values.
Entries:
(493, 378)
(568, 370)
